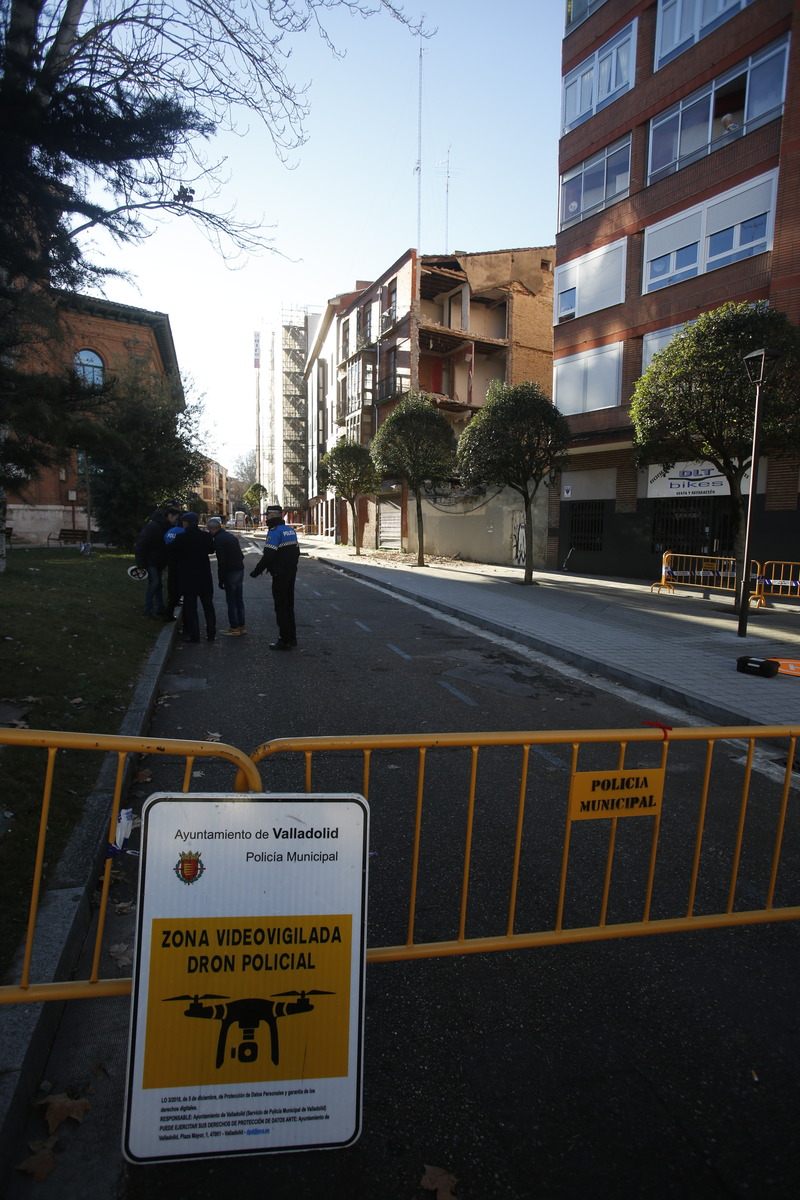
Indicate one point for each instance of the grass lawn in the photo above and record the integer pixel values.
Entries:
(72, 643)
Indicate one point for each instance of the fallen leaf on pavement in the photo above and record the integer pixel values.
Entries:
(439, 1181)
(121, 954)
(143, 776)
(61, 1107)
(42, 1161)
(213, 737)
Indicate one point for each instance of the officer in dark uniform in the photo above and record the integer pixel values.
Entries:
(281, 553)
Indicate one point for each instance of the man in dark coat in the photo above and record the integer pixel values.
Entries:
(151, 553)
(280, 557)
(230, 573)
(188, 555)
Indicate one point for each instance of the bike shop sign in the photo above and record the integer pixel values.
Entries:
(690, 479)
(248, 985)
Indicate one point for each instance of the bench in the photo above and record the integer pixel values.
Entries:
(68, 537)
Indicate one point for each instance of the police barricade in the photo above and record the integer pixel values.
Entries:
(497, 841)
(777, 581)
(50, 742)
(709, 572)
(500, 841)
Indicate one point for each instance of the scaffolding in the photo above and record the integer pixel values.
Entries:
(294, 344)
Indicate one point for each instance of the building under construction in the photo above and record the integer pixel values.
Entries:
(294, 341)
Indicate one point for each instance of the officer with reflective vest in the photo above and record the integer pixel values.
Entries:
(281, 553)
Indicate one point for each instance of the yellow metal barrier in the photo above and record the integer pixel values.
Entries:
(591, 804)
(249, 780)
(700, 571)
(779, 580)
(554, 837)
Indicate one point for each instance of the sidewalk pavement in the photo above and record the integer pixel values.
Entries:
(679, 648)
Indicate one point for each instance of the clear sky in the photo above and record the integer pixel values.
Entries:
(346, 205)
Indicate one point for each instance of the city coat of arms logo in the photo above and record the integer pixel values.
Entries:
(189, 866)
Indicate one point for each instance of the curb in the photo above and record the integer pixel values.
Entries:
(65, 914)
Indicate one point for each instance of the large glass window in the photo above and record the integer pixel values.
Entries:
(89, 367)
(734, 225)
(584, 382)
(734, 104)
(594, 184)
(600, 79)
(681, 23)
(577, 10)
(595, 280)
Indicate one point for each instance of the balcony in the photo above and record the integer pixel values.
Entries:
(391, 386)
(388, 319)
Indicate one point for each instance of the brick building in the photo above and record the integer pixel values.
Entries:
(98, 336)
(679, 190)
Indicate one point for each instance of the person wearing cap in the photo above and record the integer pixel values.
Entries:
(230, 573)
(280, 558)
(189, 555)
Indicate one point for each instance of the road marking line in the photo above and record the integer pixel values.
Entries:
(361, 625)
(456, 692)
(397, 650)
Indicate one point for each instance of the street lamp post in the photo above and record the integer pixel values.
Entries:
(757, 364)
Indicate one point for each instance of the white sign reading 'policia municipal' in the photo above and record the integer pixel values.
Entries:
(624, 793)
(247, 1015)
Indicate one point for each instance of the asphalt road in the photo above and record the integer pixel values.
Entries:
(650, 1067)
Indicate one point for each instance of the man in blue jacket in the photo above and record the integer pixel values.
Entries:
(280, 557)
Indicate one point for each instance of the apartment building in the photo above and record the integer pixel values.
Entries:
(446, 325)
(679, 172)
(213, 489)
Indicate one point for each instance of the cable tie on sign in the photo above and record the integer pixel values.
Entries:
(657, 724)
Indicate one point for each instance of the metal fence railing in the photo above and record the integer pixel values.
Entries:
(497, 841)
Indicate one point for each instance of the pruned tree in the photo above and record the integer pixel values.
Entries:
(516, 440)
(416, 442)
(245, 469)
(149, 449)
(695, 401)
(349, 472)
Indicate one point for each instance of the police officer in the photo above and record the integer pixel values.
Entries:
(281, 553)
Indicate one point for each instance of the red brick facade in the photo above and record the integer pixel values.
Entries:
(774, 275)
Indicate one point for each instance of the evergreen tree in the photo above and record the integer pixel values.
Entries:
(416, 442)
(515, 441)
(349, 472)
(695, 401)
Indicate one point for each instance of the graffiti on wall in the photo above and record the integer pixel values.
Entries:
(518, 539)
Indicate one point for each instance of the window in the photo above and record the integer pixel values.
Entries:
(594, 281)
(681, 23)
(594, 184)
(653, 343)
(577, 10)
(88, 367)
(600, 79)
(584, 382)
(734, 104)
(345, 339)
(732, 226)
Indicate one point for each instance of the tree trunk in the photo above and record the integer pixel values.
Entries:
(420, 534)
(354, 519)
(528, 577)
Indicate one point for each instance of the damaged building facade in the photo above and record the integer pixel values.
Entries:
(448, 326)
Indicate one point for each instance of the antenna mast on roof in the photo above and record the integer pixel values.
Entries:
(418, 167)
